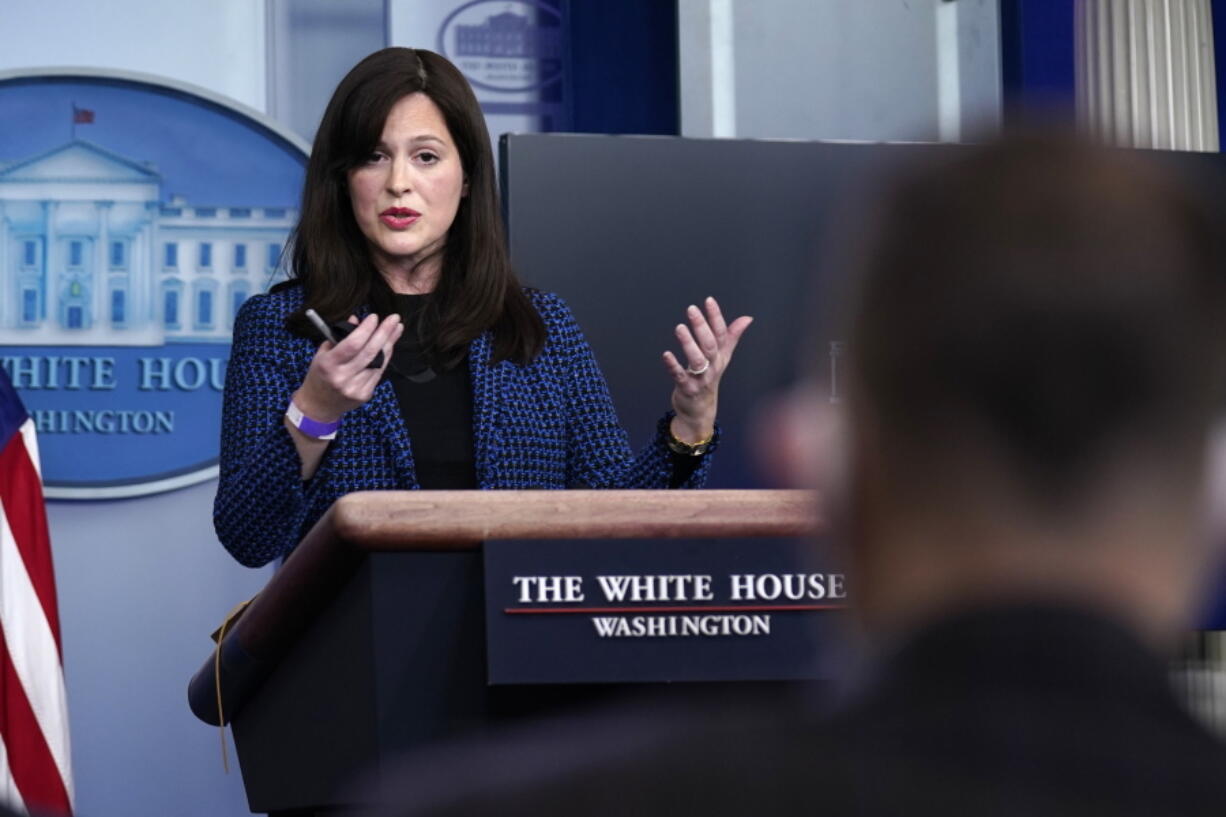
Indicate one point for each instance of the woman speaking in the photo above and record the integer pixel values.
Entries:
(404, 353)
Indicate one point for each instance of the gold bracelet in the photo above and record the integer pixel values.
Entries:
(688, 449)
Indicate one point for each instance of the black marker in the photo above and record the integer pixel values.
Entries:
(330, 333)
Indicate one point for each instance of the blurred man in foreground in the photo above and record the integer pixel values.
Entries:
(1038, 353)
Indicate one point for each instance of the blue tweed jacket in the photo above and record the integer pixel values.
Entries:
(549, 424)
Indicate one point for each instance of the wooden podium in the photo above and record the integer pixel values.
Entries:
(370, 639)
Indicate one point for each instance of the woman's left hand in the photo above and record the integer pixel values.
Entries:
(707, 344)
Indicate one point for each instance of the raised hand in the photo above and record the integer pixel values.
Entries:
(707, 344)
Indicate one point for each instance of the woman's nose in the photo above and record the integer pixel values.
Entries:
(399, 177)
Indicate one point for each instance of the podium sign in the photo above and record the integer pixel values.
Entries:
(624, 611)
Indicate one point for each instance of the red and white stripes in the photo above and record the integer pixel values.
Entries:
(35, 767)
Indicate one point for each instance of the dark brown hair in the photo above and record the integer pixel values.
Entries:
(477, 289)
(1067, 300)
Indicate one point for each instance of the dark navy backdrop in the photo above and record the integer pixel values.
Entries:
(623, 66)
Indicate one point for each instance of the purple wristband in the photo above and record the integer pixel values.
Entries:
(309, 427)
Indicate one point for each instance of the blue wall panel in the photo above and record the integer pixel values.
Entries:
(623, 66)
(1037, 57)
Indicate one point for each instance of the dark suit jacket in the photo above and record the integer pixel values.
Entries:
(1022, 711)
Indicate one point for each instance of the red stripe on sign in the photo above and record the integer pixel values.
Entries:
(29, 758)
(744, 608)
(21, 494)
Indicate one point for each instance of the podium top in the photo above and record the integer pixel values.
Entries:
(424, 520)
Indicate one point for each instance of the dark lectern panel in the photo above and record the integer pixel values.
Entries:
(310, 726)
(396, 661)
(631, 229)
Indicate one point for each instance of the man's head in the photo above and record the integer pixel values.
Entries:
(1038, 354)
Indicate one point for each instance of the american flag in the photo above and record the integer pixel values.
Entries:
(35, 769)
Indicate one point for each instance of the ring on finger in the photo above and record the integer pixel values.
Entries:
(706, 364)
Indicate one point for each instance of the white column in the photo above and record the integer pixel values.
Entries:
(1145, 73)
(150, 286)
(102, 276)
(140, 278)
(949, 82)
(51, 277)
(10, 295)
(723, 69)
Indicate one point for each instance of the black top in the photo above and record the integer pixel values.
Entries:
(437, 407)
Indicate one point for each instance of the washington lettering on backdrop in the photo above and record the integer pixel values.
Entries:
(98, 374)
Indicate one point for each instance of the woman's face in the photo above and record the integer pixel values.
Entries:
(406, 194)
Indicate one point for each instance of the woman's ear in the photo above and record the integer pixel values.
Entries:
(464, 189)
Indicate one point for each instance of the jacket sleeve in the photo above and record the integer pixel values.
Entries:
(262, 505)
(599, 453)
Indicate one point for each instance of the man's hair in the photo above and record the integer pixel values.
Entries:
(1060, 300)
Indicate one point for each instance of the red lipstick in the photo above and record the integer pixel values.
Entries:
(399, 218)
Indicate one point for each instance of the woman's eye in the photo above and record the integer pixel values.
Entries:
(374, 158)
(426, 157)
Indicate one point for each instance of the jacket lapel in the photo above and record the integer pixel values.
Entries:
(488, 387)
(385, 414)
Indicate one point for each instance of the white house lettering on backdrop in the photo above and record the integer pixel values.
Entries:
(680, 605)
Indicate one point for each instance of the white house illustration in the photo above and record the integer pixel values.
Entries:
(89, 255)
(509, 35)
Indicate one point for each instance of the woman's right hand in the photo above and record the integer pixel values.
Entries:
(339, 380)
